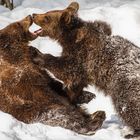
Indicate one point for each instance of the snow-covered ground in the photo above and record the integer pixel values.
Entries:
(124, 17)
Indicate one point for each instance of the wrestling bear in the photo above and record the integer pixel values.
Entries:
(91, 56)
(68, 68)
(28, 93)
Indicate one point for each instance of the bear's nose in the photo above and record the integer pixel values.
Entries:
(34, 15)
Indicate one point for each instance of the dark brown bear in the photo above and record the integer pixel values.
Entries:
(90, 56)
(28, 93)
(68, 68)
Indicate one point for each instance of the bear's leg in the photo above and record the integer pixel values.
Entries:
(56, 65)
(70, 117)
(57, 86)
(84, 97)
(127, 104)
(92, 122)
(95, 121)
(79, 96)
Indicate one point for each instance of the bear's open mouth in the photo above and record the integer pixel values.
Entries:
(34, 34)
(26, 24)
(38, 31)
(41, 32)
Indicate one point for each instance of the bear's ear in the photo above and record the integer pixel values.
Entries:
(73, 7)
(66, 17)
(70, 12)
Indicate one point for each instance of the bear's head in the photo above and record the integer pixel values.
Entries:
(52, 21)
(17, 32)
(14, 41)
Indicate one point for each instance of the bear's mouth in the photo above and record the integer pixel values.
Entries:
(33, 35)
(40, 32)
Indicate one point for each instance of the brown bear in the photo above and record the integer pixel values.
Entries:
(67, 68)
(92, 56)
(28, 93)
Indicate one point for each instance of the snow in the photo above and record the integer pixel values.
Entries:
(124, 18)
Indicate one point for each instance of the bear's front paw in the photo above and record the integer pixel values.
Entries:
(85, 97)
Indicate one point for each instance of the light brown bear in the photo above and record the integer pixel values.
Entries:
(28, 93)
(92, 56)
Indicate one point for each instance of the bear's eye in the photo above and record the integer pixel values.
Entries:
(47, 19)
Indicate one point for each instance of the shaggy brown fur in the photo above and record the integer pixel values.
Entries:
(28, 92)
(90, 56)
(67, 67)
